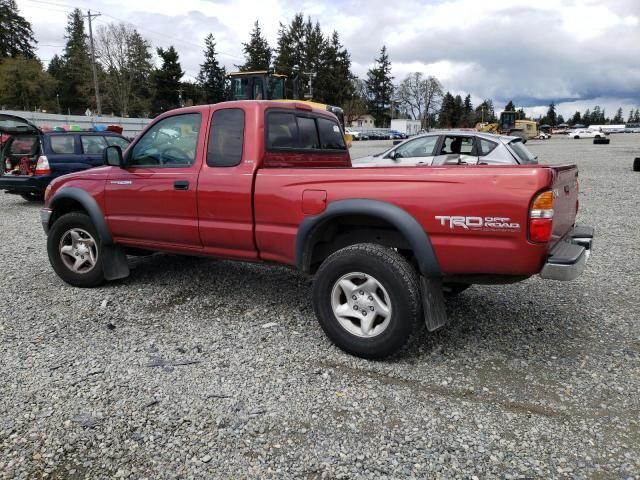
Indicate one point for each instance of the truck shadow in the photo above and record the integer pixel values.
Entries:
(512, 320)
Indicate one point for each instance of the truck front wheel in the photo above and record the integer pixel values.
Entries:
(367, 300)
(74, 250)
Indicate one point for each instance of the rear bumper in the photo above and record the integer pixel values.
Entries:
(569, 257)
(25, 184)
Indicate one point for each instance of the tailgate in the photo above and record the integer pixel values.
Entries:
(565, 203)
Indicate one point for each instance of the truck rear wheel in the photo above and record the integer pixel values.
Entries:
(367, 300)
(75, 251)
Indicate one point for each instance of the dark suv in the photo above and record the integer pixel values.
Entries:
(32, 158)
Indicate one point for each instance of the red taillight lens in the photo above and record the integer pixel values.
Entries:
(541, 217)
(42, 167)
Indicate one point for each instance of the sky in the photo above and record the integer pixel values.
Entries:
(577, 54)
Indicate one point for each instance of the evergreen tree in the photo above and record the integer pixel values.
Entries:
(586, 117)
(333, 84)
(24, 85)
(577, 118)
(468, 117)
(510, 107)
(166, 81)
(446, 117)
(560, 119)
(290, 58)
(257, 52)
(485, 112)
(636, 116)
(212, 76)
(520, 114)
(141, 58)
(630, 118)
(75, 78)
(552, 118)
(16, 35)
(618, 119)
(380, 88)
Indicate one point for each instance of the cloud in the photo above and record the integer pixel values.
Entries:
(532, 53)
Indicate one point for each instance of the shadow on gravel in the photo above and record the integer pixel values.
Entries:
(516, 321)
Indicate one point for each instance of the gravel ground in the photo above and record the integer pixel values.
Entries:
(195, 368)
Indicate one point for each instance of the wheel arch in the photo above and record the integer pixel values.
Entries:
(72, 199)
(312, 228)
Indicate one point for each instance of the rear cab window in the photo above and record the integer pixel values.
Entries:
(318, 138)
(226, 138)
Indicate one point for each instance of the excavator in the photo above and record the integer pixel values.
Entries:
(510, 125)
(267, 85)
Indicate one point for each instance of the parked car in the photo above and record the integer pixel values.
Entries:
(263, 181)
(452, 148)
(354, 134)
(32, 158)
(585, 133)
(542, 136)
(396, 135)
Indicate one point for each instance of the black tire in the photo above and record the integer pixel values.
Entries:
(576, 137)
(400, 287)
(61, 229)
(451, 289)
(636, 164)
(33, 197)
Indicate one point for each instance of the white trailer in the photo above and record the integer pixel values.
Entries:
(403, 125)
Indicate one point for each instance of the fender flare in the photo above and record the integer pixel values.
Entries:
(406, 224)
(90, 205)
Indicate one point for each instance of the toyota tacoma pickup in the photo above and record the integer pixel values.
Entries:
(272, 182)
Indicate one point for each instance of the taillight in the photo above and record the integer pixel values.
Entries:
(42, 167)
(541, 217)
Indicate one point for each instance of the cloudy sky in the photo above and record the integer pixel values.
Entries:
(575, 53)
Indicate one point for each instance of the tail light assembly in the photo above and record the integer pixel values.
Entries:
(541, 217)
(42, 167)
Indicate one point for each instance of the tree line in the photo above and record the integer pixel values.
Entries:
(132, 84)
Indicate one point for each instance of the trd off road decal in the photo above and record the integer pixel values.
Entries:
(487, 224)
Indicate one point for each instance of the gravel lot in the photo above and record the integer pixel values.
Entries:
(195, 368)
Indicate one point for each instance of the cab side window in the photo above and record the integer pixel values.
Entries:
(226, 138)
(331, 137)
(172, 142)
(303, 132)
(420, 147)
(457, 145)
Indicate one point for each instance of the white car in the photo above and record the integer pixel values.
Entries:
(542, 136)
(585, 133)
(354, 134)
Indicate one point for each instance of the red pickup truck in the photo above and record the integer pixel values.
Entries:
(264, 181)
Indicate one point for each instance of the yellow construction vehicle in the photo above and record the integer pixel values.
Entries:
(510, 125)
(266, 85)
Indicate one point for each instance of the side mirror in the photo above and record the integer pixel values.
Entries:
(112, 156)
(393, 155)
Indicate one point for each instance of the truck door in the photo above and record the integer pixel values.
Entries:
(153, 199)
(225, 188)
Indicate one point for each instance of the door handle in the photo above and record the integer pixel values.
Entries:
(181, 185)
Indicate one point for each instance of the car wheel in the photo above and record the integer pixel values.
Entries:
(33, 197)
(636, 164)
(367, 300)
(451, 289)
(75, 250)
(576, 137)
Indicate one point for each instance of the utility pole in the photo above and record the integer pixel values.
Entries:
(89, 16)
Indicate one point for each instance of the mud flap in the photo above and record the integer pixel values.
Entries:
(114, 262)
(435, 315)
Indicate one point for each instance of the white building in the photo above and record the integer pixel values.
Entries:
(363, 121)
(408, 127)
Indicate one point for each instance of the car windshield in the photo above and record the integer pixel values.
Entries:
(523, 153)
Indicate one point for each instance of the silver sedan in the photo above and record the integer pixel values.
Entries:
(452, 148)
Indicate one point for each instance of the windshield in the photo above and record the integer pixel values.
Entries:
(522, 152)
(240, 88)
(276, 88)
